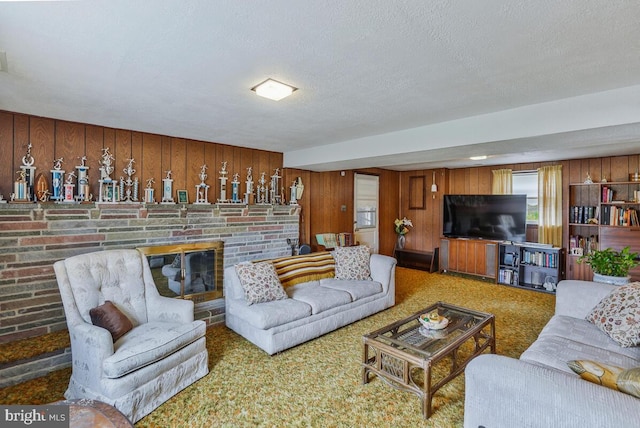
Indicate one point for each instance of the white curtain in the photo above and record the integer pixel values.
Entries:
(502, 182)
(550, 205)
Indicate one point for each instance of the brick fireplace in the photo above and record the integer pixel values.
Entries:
(33, 237)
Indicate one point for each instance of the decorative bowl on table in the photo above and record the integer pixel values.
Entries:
(433, 321)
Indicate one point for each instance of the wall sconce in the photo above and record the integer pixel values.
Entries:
(434, 186)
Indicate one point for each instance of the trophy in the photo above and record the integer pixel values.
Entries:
(262, 190)
(202, 189)
(167, 186)
(293, 191)
(223, 183)
(57, 180)
(84, 194)
(148, 192)
(274, 195)
(296, 191)
(69, 188)
(29, 172)
(130, 194)
(108, 187)
(21, 188)
(249, 196)
(235, 189)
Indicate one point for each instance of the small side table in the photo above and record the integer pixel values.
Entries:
(416, 259)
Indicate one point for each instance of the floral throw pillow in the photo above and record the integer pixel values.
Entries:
(618, 315)
(260, 282)
(352, 263)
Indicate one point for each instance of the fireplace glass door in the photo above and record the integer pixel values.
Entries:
(188, 271)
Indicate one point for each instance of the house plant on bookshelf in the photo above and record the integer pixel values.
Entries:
(610, 266)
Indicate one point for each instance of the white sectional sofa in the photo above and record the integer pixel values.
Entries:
(312, 308)
(539, 389)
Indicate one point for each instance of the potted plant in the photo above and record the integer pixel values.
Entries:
(610, 266)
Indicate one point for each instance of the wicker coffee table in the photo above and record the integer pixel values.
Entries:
(404, 353)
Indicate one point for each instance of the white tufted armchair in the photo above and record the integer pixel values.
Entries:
(164, 352)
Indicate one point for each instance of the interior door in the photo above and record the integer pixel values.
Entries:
(365, 222)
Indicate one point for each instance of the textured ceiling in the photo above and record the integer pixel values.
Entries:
(397, 84)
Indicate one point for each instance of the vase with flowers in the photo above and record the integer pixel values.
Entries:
(402, 228)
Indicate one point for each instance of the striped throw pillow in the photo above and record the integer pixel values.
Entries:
(308, 267)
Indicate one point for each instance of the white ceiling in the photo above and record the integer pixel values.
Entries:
(396, 84)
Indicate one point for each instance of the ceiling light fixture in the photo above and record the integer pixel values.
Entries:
(483, 157)
(273, 89)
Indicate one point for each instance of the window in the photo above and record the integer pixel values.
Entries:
(527, 183)
(366, 217)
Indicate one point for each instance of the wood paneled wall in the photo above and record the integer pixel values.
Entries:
(389, 209)
(427, 222)
(326, 193)
(153, 154)
(288, 177)
(477, 180)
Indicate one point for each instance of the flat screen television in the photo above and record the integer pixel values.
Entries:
(496, 217)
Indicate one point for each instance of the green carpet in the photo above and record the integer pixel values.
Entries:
(319, 383)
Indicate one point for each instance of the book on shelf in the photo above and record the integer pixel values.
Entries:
(613, 215)
(580, 214)
(584, 214)
(585, 243)
(607, 194)
(332, 240)
(344, 239)
(508, 276)
(540, 258)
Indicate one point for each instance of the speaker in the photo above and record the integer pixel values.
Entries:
(444, 255)
(491, 257)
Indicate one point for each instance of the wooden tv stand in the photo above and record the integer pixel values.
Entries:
(477, 257)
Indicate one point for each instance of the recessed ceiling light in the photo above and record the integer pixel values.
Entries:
(273, 89)
(478, 157)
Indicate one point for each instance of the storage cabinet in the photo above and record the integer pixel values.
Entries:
(415, 259)
(601, 215)
(538, 267)
(469, 256)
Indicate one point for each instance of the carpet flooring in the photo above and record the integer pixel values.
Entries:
(318, 384)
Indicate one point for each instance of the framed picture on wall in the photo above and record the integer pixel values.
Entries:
(417, 193)
(183, 196)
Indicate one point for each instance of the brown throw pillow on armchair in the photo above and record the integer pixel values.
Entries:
(110, 317)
